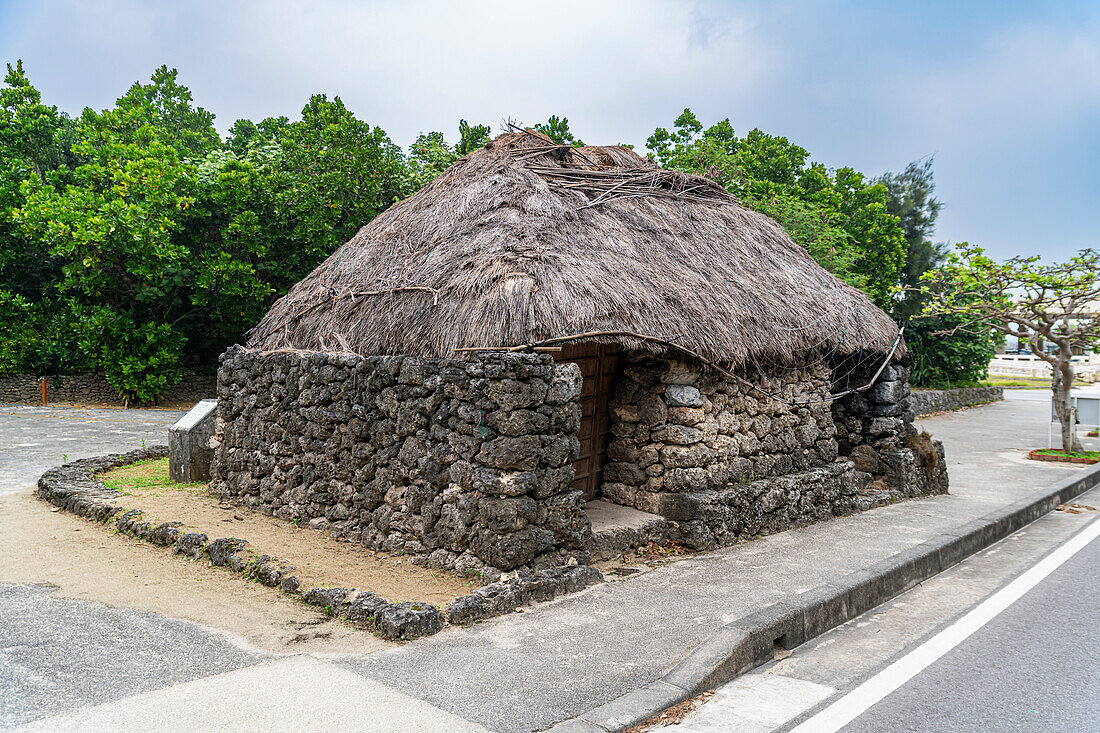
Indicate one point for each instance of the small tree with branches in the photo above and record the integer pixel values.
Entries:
(1034, 302)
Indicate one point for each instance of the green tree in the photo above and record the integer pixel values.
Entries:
(840, 216)
(246, 133)
(341, 173)
(471, 137)
(35, 144)
(112, 227)
(910, 196)
(429, 156)
(1034, 302)
(166, 106)
(232, 231)
(557, 129)
(277, 199)
(135, 241)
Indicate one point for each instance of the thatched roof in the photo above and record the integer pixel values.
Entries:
(525, 239)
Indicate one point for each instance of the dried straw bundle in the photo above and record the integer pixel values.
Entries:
(526, 239)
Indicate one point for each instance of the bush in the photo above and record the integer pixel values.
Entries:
(140, 360)
(38, 338)
(946, 361)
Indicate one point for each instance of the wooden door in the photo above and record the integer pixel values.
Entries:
(600, 365)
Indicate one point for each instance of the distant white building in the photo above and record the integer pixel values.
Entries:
(1014, 359)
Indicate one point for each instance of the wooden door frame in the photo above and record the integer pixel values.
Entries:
(604, 361)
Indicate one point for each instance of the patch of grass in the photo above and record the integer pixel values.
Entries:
(1090, 454)
(148, 475)
(1018, 382)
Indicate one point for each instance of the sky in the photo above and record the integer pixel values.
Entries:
(1004, 95)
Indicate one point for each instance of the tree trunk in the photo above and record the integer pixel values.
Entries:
(1061, 384)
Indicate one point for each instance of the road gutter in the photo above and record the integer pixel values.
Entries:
(751, 640)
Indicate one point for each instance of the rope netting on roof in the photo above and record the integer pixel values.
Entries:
(527, 239)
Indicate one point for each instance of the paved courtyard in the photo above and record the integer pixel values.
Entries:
(33, 439)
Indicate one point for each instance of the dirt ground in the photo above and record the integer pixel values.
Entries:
(318, 558)
(40, 544)
(85, 560)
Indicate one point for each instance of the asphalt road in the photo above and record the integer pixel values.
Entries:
(1034, 667)
(57, 654)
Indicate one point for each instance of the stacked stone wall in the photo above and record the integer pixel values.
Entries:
(94, 389)
(875, 429)
(461, 463)
(679, 429)
(926, 401)
(724, 462)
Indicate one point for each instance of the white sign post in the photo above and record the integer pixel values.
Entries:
(1084, 411)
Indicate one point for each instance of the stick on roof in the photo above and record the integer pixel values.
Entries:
(526, 239)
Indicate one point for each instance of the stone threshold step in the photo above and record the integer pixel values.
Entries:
(617, 529)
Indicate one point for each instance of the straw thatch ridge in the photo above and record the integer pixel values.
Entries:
(525, 239)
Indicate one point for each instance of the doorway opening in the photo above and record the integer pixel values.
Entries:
(600, 365)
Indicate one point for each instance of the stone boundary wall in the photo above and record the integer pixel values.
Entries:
(927, 401)
(94, 389)
(76, 488)
(459, 463)
(875, 430)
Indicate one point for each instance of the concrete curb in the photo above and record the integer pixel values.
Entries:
(750, 641)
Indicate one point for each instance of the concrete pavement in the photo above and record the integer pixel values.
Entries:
(559, 659)
(324, 698)
(1033, 668)
(33, 439)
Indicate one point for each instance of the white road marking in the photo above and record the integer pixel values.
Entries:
(859, 700)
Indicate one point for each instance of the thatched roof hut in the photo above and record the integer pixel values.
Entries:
(526, 239)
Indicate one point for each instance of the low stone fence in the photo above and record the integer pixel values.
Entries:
(76, 488)
(94, 389)
(941, 400)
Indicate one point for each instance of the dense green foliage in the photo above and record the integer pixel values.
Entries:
(136, 241)
(946, 360)
(557, 129)
(839, 216)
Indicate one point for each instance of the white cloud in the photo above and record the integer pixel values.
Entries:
(1006, 100)
(416, 66)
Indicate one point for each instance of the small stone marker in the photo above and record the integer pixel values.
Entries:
(189, 449)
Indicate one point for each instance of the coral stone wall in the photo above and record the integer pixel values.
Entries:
(93, 388)
(724, 462)
(678, 430)
(875, 429)
(927, 401)
(461, 463)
